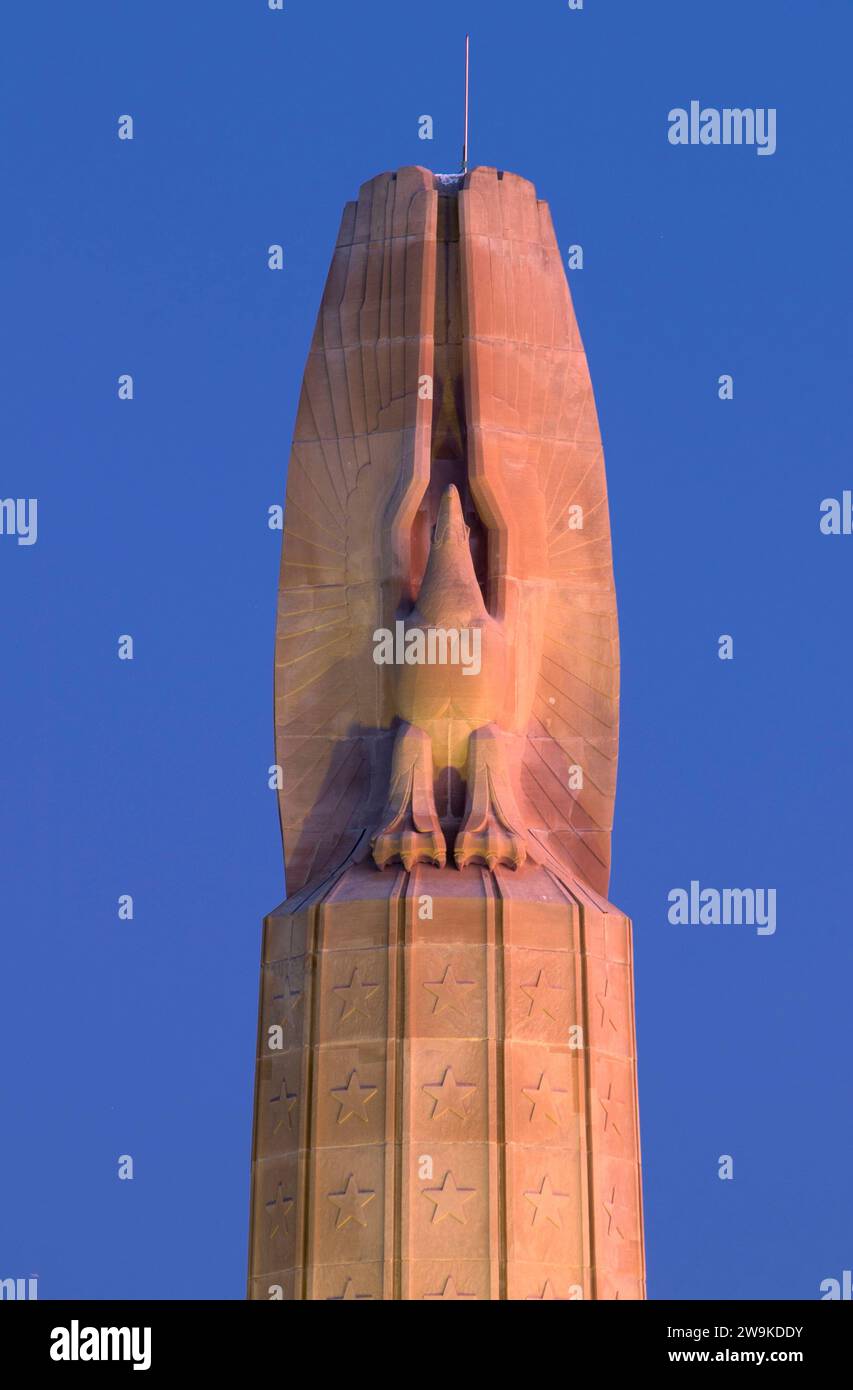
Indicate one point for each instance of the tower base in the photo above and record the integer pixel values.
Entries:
(446, 1100)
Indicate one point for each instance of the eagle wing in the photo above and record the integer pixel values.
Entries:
(358, 467)
(537, 469)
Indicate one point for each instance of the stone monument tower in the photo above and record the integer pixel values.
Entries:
(446, 1099)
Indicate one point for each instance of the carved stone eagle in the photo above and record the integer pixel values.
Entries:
(447, 474)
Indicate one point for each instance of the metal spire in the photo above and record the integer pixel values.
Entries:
(465, 141)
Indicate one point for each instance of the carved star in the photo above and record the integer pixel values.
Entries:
(351, 1203)
(612, 1207)
(608, 1103)
(450, 1291)
(544, 1098)
(546, 1296)
(449, 1200)
(450, 993)
(349, 1294)
(287, 1000)
(605, 999)
(278, 1211)
(544, 998)
(353, 1099)
(547, 1203)
(449, 1096)
(284, 1103)
(355, 996)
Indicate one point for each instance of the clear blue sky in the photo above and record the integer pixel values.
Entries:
(149, 778)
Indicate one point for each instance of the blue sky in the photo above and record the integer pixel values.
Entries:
(149, 777)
